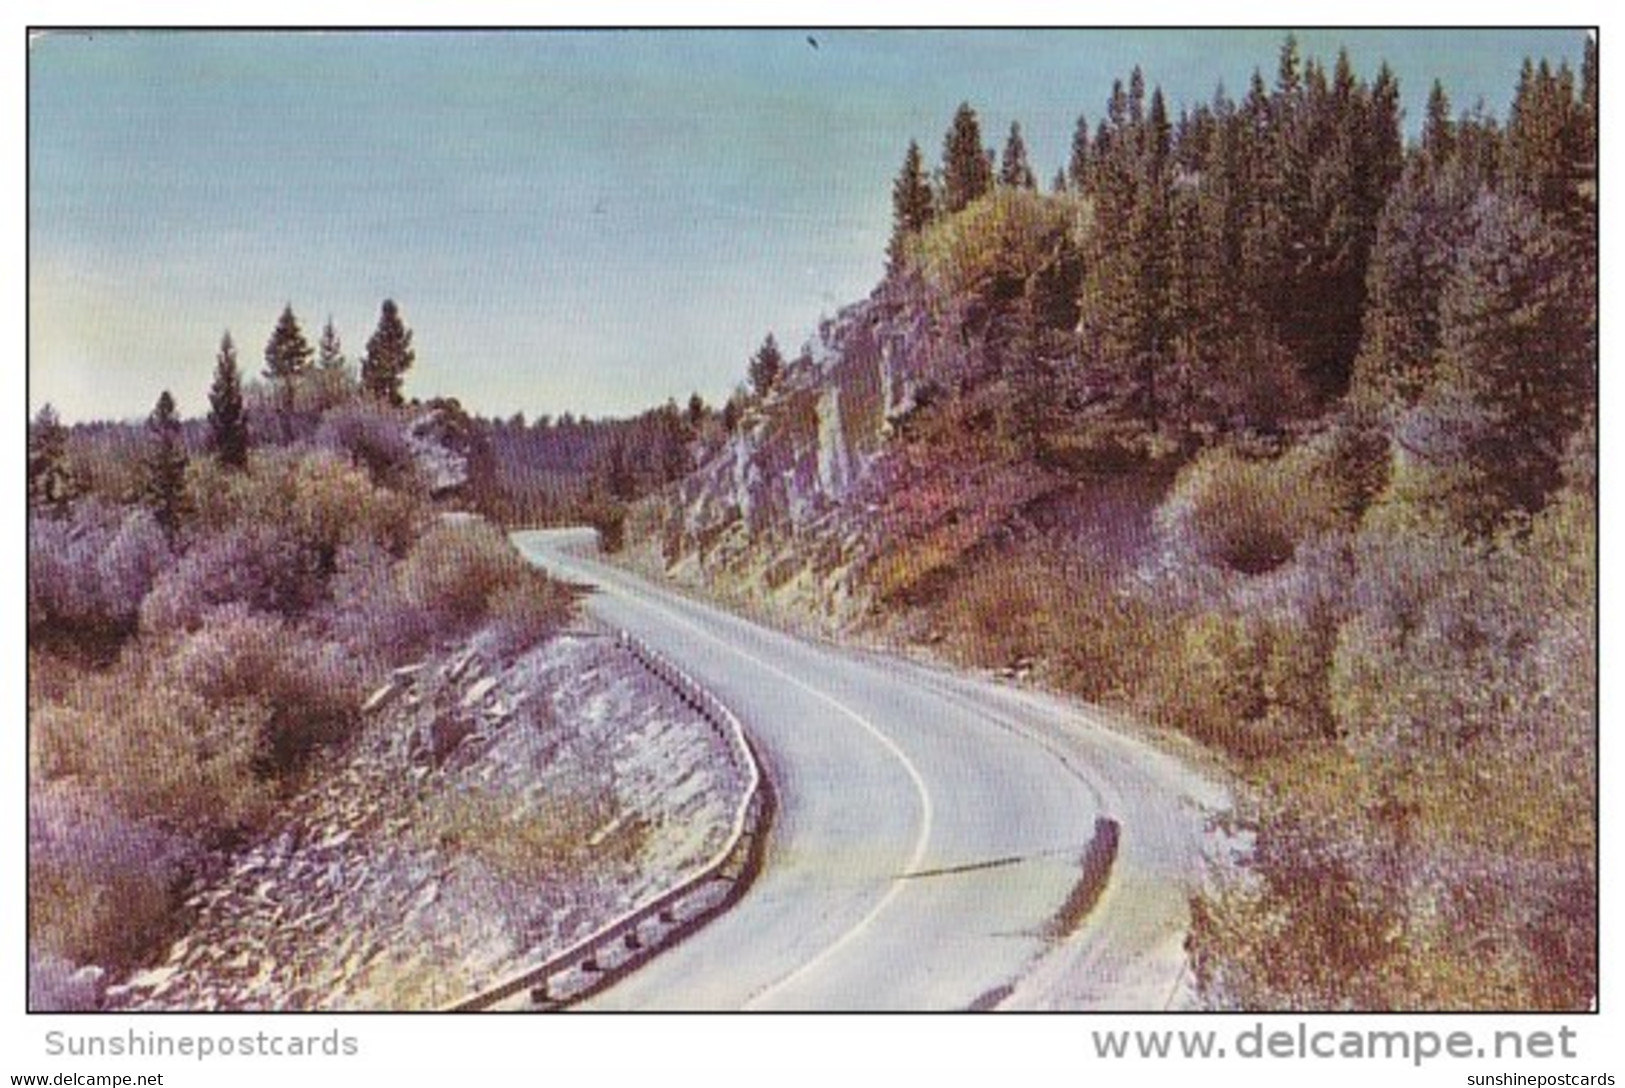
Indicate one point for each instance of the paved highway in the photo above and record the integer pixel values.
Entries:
(930, 829)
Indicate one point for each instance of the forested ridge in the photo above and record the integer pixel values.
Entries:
(1271, 427)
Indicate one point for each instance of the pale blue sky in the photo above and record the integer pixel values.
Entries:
(569, 221)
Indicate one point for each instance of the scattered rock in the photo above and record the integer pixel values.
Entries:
(478, 691)
(381, 698)
(360, 899)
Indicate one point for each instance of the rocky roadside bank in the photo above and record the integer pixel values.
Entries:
(487, 815)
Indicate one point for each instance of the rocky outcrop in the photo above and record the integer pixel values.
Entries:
(440, 447)
(782, 504)
(487, 816)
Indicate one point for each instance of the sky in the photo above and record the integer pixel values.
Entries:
(569, 221)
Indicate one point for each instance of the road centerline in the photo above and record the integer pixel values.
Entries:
(922, 838)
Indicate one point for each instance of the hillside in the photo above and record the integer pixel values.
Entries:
(221, 816)
(1264, 427)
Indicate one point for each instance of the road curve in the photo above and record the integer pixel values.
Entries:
(930, 829)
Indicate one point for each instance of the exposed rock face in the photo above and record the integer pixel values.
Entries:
(444, 446)
(432, 859)
(782, 503)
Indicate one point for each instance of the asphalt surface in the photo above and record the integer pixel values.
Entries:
(930, 831)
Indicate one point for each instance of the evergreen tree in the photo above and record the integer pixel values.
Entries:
(1127, 283)
(332, 383)
(912, 205)
(1382, 139)
(1545, 153)
(228, 421)
(1014, 171)
(1478, 146)
(697, 412)
(1517, 371)
(329, 350)
(1438, 130)
(1287, 72)
(50, 483)
(619, 480)
(164, 489)
(389, 356)
(287, 361)
(766, 367)
(1588, 103)
(672, 436)
(966, 172)
(1423, 227)
(1077, 165)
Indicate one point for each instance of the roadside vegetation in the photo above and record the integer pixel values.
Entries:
(209, 601)
(1356, 386)
(1273, 429)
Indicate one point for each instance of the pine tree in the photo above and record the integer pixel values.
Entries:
(1546, 157)
(1438, 130)
(1423, 227)
(1077, 166)
(330, 350)
(912, 206)
(228, 422)
(164, 489)
(1127, 282)
(50, 483)
(1519, 349)
(1588, 102)
(673, 438)
(332, 382)
(1014, 171)
(619, 480)
(966, 173)
(766, 367)
(389, 356)
(287, 361)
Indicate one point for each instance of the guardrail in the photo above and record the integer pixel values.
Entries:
(630, 939)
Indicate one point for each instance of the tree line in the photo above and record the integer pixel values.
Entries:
(1248, 263)
(299, 377)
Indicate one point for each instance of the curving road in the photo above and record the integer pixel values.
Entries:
(929, 832)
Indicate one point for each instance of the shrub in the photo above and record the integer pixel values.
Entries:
(89, 572)
(1412, 883)
(1090, 633)
(318, 498)
(153, 749)
(1249, 516)
(373, 437)
(309, 691)
(1435, 651)
(262, 566)
(108, 460)
(101, 888)
(368, 612)
(457, 568)
(1006, 239)
(525, 613)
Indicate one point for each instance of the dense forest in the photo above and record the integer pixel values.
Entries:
(1339, 387)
